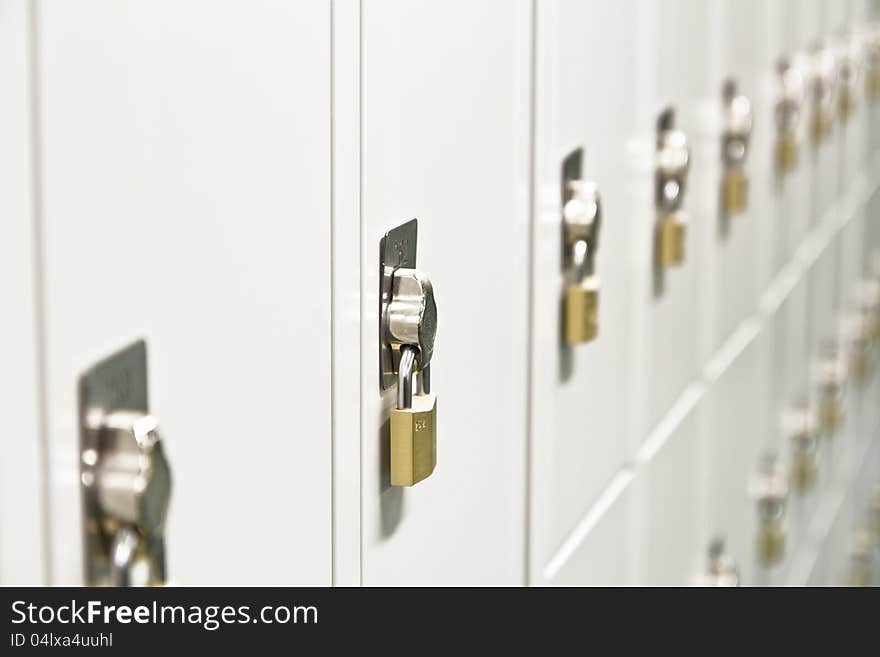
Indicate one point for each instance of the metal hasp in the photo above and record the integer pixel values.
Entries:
(581, 221)
(407, 328)
(788, 115)
(673, 163)
(734, 149)
(769, 489)
(124, 476)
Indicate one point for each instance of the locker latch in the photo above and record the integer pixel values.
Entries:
(830, 372)
(847, 72)
(822, 92)
(734, 149)
(581, 221)
(673, 163)
(799, 427)
(769, 489)
(721, 568)
(408, 326)
(125, 478)
(788, 114)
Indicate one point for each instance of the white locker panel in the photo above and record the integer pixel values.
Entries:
(746, 56)
(186, 191)
(733, 446)
(582, 407)
(21, 477)
(445, 139)
(674, 328)
(672, 542)
(602, 550)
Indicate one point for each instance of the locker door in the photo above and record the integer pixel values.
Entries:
(185, 193)
(21, 476)
(581, 405)
(747, 58)
(445, 126)
(674, 328)
(734, 443)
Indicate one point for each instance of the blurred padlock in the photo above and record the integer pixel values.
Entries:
(769, 489)
(799, 426)
(787, 115)
(673, 163)
(822, 92)
(830, 377)
(581, 220)
(734, 149)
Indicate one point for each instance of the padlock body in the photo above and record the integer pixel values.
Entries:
(582, 311)
(771, 542)
(670, 240)
(786, 152)
(831, 414)
(845, 103)
(820, 125)
(735, 188)
(804, 472)
(414, 441)
(872, 85)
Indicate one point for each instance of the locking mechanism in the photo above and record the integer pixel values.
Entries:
(800, 428)
(847, 72)
(863, 332)
(408, 325)
(830, 373)
(721, 568)
(581, 221)
(822, 92)
(872, 66)
(734, 149)
(125, 478)
(787, 114)
(770, 491)
(673, 162)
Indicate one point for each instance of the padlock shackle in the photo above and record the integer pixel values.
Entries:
(405, 376)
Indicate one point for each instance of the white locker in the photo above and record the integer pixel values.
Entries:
(734, 445)
(582, 407)
(22, 530)
(672, 541)
(445, 138)
(736, 257)
(185, 187)
(672, 325)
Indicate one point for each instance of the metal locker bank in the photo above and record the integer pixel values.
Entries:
(417, 293)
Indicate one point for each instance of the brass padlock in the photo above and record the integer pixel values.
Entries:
(406, 344)
(822, 92)
(734, 149)
(671, 239)
(787, 114)
(786, 152)
(820, 124)
(799, 425)
(581, 218)
(770, 490)
(858, 334)
(673, 163)
(721, 570)
(847, 73)
(582, 311)
(413, 425)
(735, 189)
(831, 373)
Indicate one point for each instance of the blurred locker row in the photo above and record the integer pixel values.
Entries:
(651, 228)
